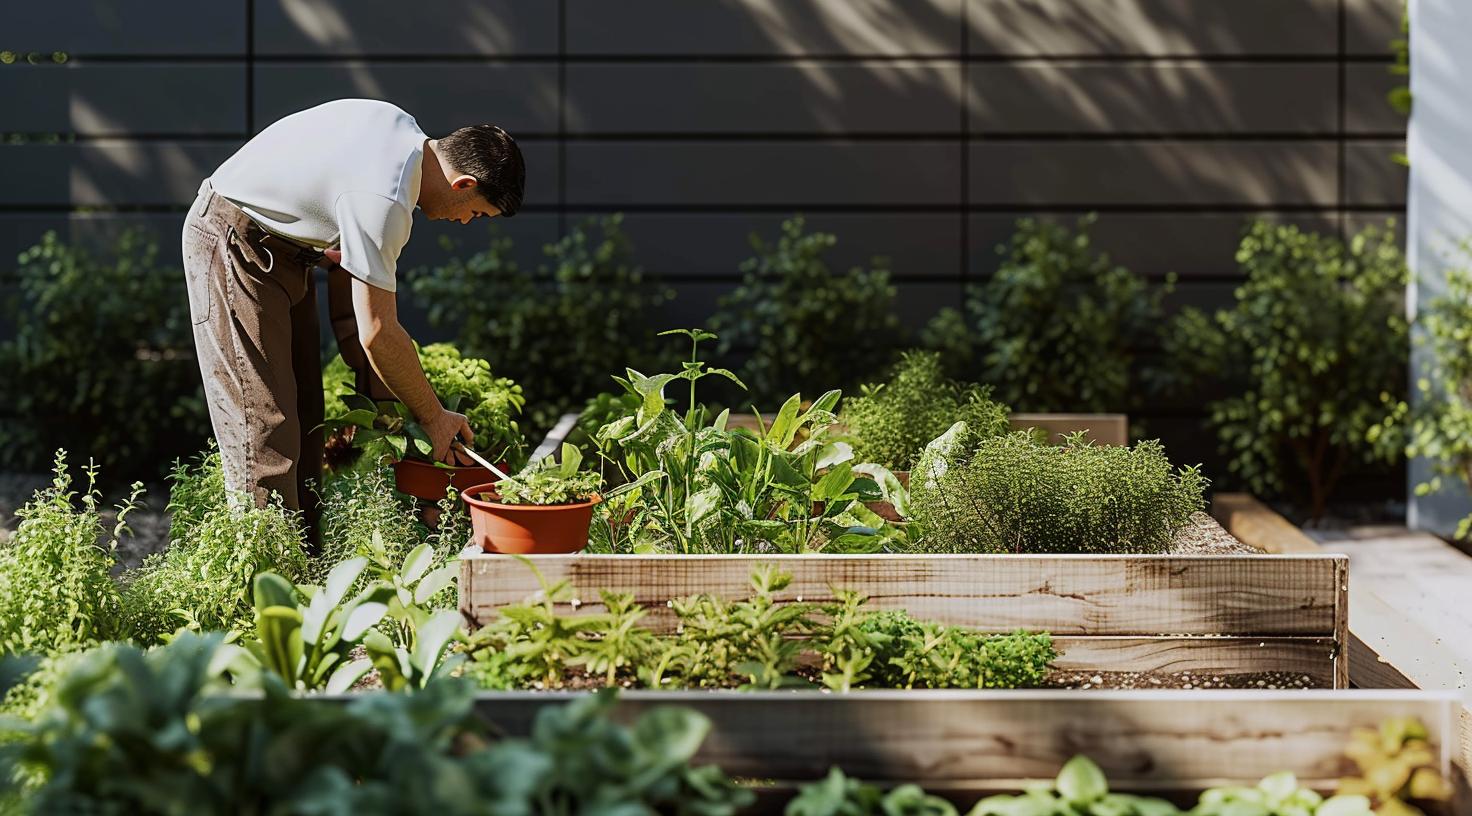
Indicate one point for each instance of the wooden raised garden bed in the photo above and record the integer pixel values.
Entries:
(969, 742)
(1160, 614)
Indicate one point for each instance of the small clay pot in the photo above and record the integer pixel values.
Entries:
(527, 529)
(423, 480)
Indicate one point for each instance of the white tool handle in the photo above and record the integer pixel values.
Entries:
(480, 460)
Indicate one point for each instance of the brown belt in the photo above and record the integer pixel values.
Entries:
(276, 247)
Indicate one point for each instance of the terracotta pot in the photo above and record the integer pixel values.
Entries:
(423, 480)
(527, 529)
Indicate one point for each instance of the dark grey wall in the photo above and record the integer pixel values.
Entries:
(916, 129)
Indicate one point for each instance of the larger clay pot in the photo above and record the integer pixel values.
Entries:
(527, 529)
(423, 480)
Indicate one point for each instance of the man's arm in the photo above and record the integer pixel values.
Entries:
(391, 353)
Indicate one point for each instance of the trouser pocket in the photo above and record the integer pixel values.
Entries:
(201, 249)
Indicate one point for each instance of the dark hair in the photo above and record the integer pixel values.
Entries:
(491, 156)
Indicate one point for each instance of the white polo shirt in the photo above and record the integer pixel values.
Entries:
(343, 174)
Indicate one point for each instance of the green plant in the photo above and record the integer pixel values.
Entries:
(921, 654)
(1278, 794)
(550, 482)
(463, 384)
(552, 330)
(203, 580)
(1081, 789)
(1315, 351)
(56, 590)
(309, 645)
(1442, 425)
(1056, 327)
(1013, 494)
(799, 323)
(97, 338)
(1399, 97)
(195, 489)
(891, 422)
(838, 795)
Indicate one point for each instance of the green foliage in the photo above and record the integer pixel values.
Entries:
(309, 645)
(1012, 494)
(922, 654)
(195, 489)
(553, 330)
(203, 580)
(1442, 428)
(689, 484)
(463, 384)
(1080, 790)
(362, 516)
(800, 322)
(1056, 327)
(550, 482)
(891, 422)
(1278, 794)
(1399, 97)
(1315, 355)
(99, 339)
(838, 795)
(158, 732)
(56, 591)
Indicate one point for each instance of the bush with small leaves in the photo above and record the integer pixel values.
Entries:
(1442, 426)
(1012, 494)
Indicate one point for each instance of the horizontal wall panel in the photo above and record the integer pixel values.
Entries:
(529, 233)
(736, 173)
(1371, 178)
(1192, 245)
(154, 28)
(715, 244)
(1153, 173)
(115, 100)
(806, 97)
(441, 96)
(1145, 97)
(1367, 109)
(1392, 219)
(429, 27)
(1370, 25)
(1174, 27)
(914, 304)
(108, 172)
(765, 27)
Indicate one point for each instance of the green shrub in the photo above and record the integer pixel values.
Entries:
(802, 325)
(1012, 494)
(1442, 428)
(556, 331)
(195, 489)
(1315, 353)
(56, 590)
(362, 514)
(100, 341)
(892, 421)
(1057, 326)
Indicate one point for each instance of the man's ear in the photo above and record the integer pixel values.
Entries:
(463, 182)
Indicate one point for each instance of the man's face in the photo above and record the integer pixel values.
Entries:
(464, 203)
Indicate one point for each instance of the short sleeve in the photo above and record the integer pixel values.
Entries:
(373, 230)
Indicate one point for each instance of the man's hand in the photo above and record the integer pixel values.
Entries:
(443, 430)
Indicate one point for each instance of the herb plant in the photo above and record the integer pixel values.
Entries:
(1315, 351)
(551, 482)
(891, 422)
(1442, 428)
(838, 795)
(1056, 327)
(362, 516)
(796, 322)
(1011, 494)
(1081, 788)
(308, 645)
(56, 590)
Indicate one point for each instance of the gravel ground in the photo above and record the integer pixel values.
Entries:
(1177, 680)
(1204, 536)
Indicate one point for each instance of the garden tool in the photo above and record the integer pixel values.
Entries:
(479, 460)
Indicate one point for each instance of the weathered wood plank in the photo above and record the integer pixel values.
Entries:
(1063, 594)
(1102, 429)
(1314, 658)
(1257, 525)
(1142, 739)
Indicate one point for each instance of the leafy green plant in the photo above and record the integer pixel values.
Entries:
(923, 654)
(553, 329)
(1012, 494)
(1081, 788)
(196, 488)
(1442, 424)
(838, 795)
(1399, 97)
(549, 482)
(97, 337)
(309, 645)
(362, 516)
(1315, 351)
(1056, 327)
(1278, 794)
(465, 384)
(56, 590)
(798, 323)
(891, 422)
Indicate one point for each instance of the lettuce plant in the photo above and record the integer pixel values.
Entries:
(549, 481)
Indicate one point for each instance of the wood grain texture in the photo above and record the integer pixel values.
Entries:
(1064, 594)
(1103, 429)
(1314, 658)
(1142, 739)
(1257, 525)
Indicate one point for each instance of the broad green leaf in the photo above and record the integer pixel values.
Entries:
(270, 589)
(434, 582)
(360, 619)
(1081, 781)
(358, 402)
(342, 577)
(417, 562)
(1344, 805)
(398, 444)
(347, 675)
(432, 639)
(834, 483)
(834, 453)
(784, 426)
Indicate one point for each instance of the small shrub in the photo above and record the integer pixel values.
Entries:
(56, 590)
(99, 339)
(557, 330)
(891, 422)
(194, 491)
(1315, 351)
(1011, 494)
(1442, 429)
(360, 512)
(1057, 326)
(801, 324)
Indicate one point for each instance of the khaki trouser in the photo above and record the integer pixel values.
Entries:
(253, 303)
